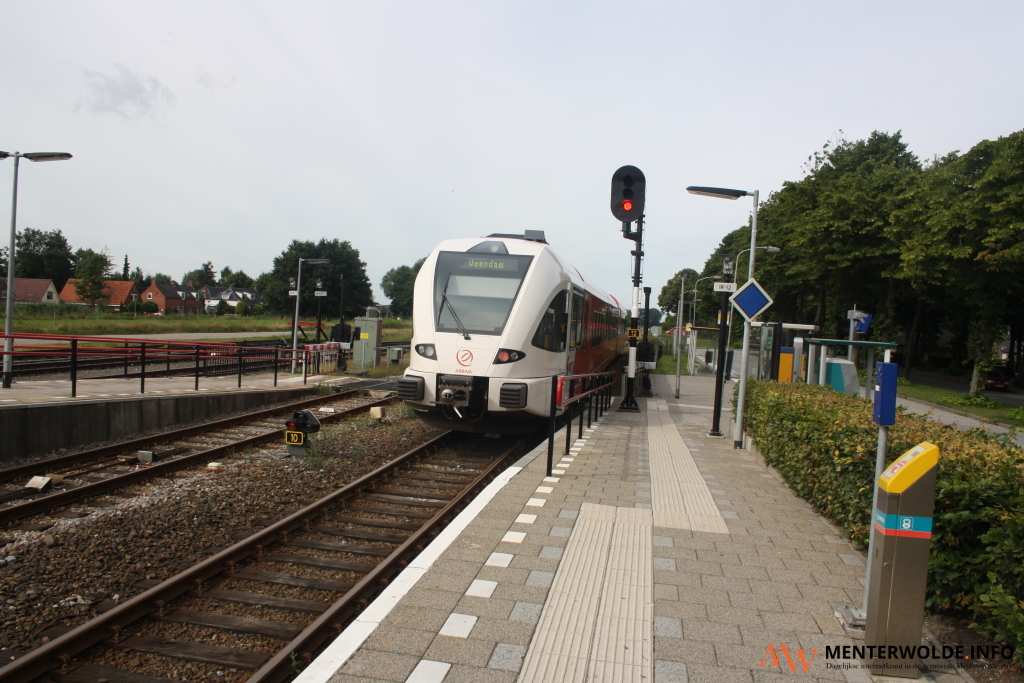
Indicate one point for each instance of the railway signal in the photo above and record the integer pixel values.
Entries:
(628, 190)
(297, 429)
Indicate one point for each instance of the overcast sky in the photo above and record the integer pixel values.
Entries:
(220, 131)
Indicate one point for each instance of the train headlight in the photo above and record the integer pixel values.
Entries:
(427, 351)
(508, 356)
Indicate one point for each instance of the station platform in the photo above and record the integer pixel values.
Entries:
(655, 553)
(59, 390)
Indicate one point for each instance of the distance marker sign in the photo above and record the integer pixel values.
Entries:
(751, 300)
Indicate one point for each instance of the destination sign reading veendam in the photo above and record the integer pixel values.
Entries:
(491, 264)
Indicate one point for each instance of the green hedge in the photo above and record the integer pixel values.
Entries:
(824, 444)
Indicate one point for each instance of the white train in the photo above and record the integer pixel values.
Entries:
(494, 318)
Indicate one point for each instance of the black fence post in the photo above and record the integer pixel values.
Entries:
(142, 367)
(305, 366)
(240, 367)
(568, 413)
(74, 368)
(580, 404)
(126, 354)
(277, 359)
(551, 422)
(167, 350)
(197, 368)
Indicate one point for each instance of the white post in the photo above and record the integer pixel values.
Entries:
(9, 319)
(679, 328)
(295, 323)
(737, 431)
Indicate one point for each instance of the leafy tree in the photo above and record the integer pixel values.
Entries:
(345, 262)
(201, 277)
(654, 316)
(668, 297)
(230, 278)
(398, 286)
(159, 277)
(91, 271)
(45, 255)
(223, 307)
(138, 276)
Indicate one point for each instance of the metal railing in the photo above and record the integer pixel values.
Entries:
(141, 358)
(570, 391)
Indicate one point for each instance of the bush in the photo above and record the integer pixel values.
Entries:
(223, 307)
(150, 307)
(824, 444)
(257, 309)
(241, 309)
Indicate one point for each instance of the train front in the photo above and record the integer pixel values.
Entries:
(477, 306)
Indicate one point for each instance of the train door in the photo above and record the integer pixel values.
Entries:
(575, 327)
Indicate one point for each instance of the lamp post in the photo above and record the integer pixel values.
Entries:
(298, 292)
(693, 304)
(770, 250)
(680, 317)
(724, 193)
(723, 325)
(9, 319)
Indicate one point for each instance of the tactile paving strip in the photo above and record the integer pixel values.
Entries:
(679, 495)
(597, 622)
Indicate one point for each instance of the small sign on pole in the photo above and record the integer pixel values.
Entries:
(725, 286)
(320, 292)
(293, 292)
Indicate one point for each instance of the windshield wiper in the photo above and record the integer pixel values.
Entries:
(451, 309)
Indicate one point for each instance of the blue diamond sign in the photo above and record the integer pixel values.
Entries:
(751, 300)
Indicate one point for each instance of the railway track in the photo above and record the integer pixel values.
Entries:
(261, 608)
(87, 474)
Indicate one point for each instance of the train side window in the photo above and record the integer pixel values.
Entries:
(576, 326)
(550, 334)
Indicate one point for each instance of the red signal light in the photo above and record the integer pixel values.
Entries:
(627, 204)
(290, 426)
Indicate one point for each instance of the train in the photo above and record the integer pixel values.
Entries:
(494, 318)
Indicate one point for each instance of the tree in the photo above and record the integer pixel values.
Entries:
(345, 261)
(45, 255)
(668, 297)
(91, 271)
(653, 316)
(229, 278)
(159, 277)
(398, 286)
(201, 277)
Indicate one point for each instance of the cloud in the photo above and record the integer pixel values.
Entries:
(127, 93)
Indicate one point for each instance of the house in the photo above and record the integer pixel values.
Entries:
(117, 292)
(170, 297)
(232, 295)
(30, 290)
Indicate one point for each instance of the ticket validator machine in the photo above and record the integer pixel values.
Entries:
(901, 541)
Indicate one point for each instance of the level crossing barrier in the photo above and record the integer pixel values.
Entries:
(569, 391)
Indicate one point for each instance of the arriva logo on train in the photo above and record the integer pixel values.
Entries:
(464, 357)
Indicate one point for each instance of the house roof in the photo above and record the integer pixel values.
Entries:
(117, 291)
(27, 289)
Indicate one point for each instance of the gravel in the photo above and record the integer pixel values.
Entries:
(53, 578)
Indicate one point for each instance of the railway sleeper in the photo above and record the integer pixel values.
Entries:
(415, 493)
(364, 535)
(295, 580)
(231, 622)
(196, 652)
(323, 562)
(242, 597)
(411, 514)
(353, 548)
(412, 499)
(96, 673)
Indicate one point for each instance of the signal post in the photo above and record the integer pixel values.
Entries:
(628, 193)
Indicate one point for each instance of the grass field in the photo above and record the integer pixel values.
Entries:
(998, 412)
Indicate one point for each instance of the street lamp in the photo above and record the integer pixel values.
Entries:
(693, 304)
(725, 193)
(770, 250)
(9, 319)
(298, 292)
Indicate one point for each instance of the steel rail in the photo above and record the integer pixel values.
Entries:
(41, 466)
(39, 505)
(333, 621)
(109, 625)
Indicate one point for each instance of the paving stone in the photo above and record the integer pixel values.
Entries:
(665, 563)
(540, 578)
(507, 657)
(551, 552)
(569, 514)
(669, 672)
(669, 627)
(663, 541)
(526, 611)
(388, 666)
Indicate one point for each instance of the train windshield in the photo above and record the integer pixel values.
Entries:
(473, 294)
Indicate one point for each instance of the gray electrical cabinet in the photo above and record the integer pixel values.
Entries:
(364, 348)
